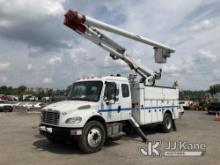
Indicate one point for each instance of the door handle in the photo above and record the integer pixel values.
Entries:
(119, 108)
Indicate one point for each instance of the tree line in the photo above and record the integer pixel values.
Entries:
(199, 95)
(23, 90)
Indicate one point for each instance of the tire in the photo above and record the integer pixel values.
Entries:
(11, 110)
(7, 109)
(93, 137)
(167, 123)
(55, 140)
(52, 140)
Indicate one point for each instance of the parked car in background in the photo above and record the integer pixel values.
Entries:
(39, 105)
(30, 98)
(214, 107)
(14, 97)
(28, 105)
(34, 105)
(186, 104)
(33, 98)
(46, 99)
(5, 107)
(6, 98)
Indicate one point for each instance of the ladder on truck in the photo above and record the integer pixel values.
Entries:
(87, 27)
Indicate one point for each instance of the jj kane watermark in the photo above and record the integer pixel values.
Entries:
(172, 148)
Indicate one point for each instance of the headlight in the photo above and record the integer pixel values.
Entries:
(73, 120)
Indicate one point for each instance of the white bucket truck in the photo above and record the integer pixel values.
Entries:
(108, 107)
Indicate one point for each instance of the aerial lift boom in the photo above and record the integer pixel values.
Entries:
(86, 27)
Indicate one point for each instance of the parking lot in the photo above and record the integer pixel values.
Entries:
(21, 144)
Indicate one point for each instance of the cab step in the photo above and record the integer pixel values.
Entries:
(118, 135)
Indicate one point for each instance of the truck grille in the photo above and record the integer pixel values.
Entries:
(50, 117)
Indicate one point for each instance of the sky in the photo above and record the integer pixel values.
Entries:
(37, 50)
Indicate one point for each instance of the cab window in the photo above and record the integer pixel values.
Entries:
(125, 90)
(110, 90)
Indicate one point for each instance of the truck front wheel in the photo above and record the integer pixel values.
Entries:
(52, 140)
(93, 137)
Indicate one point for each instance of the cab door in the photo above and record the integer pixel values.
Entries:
(125, 101)
(110, 107)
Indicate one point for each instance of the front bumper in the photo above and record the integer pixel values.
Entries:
(60, 132)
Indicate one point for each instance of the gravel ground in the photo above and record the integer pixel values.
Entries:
(21, 144)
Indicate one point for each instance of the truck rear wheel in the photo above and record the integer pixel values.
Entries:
(166, 125)
(93, 137)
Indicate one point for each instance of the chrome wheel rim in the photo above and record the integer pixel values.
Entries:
(94, 137)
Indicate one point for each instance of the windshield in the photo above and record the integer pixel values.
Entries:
(86, 90)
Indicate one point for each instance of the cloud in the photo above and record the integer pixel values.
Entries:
(81, 54)
(205, 56)
(30, 28)
(217, 72)
(107, 62)
(4, 66)
(174, 69)
(33, 68)
(109, 15)
(3, 79)
(5, 23)
(55, 60)
(31, 9)
(47, 80)
(35, 23)
(30, 67)
(203, 25)
(55, 7)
